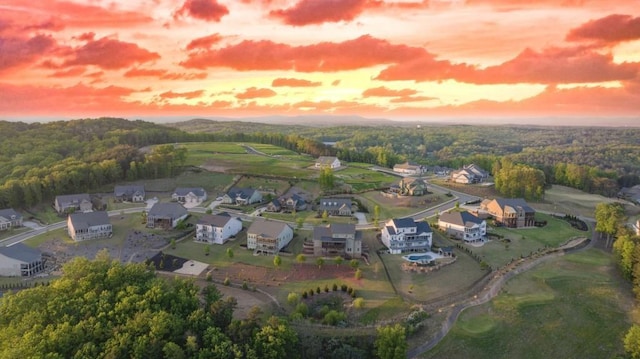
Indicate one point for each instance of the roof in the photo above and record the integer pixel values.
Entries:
(21, 252)
(215, 220)
(334, 203)
(167, 210)
(407, 165)
(403, 222)
(183, 191)
(326, 160)
(128, 190)
(421, 227)
(269, 229)
(505, 203)
(89, 219)
(8, 213)
(241, 192)
(326, 233)
(476, 170)
(72, 198)
(460, 218)
(413, 181)
(446, 249)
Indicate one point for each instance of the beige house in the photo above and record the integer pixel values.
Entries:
(19, 260)
(337, 239)
(268, 237)
(411, 186)
(328, 161)
(510, 212)
(89, 225)
(9, 219)
(409, 168)
(463, 225)
(469, 174)
(189, 195)
(335, 206)
(73, 203)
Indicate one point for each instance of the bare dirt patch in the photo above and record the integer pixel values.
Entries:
(272, 276)
(214, 166)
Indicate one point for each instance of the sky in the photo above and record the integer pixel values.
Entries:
(395, 59)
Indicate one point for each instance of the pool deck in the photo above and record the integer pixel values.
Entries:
(433, 256)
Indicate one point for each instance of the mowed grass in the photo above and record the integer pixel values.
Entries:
(569, 307)
(497, 253)
(233, 158)
(360, 178)
(561, 199)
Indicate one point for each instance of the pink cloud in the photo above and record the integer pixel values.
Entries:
(308, 12)
(385, 92)
(72, 72)
(611, 29)
(254, 92)
(186, 95)
(204, 42)
(364, 51)
(16, 51)
(136, 72)
(208, 10)
(290, 82)
(110, 54)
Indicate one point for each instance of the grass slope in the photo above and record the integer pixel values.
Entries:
(570, 307)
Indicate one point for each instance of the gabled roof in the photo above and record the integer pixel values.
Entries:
(89, 219)
(326, 160)
(183, 191)
(408, 223)
(215, 220)
(68, 199)
(21, 252)
(413, 181)
(269, 229)
(334, 203)
(8, 214)
(167, 210)
(476, 170)
(404, 223)
(460, 218)
(328, 233)
(514, 203)
(128, 190)
(244, 193)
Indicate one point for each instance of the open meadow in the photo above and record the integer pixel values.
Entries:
(573, 306)
(561, 199)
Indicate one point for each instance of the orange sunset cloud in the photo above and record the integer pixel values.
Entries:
(385, 58)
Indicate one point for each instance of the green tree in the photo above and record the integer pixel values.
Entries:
(391, 342)
(376, 215)
(609, 219)
(277, 261)
(276, 340)
(338, 260)
(229, 253)
(354, 263)
(207, 249)
(301, 258)
(624, 249)
(358, 274)
(172, 243)
(632, 341)
(325, 216)
(299, 223)
(320, 262)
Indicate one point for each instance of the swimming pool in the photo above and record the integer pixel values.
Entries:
(419, 258)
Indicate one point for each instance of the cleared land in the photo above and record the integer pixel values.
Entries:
(574, 306)
(574, 202)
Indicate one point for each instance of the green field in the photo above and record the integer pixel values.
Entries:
(571, 201)
(359, 177)
(574, 306)
(497, 253)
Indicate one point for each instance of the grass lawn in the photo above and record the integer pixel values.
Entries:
(574, 306)
(360, 178)
(571, 201)
(524, 241)
(264, 184)
(13, 231)
(398, 207)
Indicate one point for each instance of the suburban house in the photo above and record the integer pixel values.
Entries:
(131, 193)
(166, 215)
(217, 228)
(406, 235)
(409, 168)
(268, 237)
(469, 174)
(287, 204)
(337, 239)
(328, 161)
(89, 225)
(510, 212)
(9, 219)
(411, 186)
(189, 195)
(631, 194)
(20, 260)
(242, 196)
(463, 225)
(73, 203)
(335, 206)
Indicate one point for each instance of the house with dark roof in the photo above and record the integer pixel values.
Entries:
(412, 186)
(89, 225)
(463, 225)
(337, 239)
(73, 203)
(510, 212)
(186, 195)
(19, 260)
(335, 206)
(268, 237)
(409, 168)
(217, 228)
(406, 235)
(9, 219)
(328, 162)
(166, 215)
(129, 193)
(242, 196)
(469, 174)
(287, 204)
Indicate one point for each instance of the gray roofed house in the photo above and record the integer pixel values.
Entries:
(337, 239)
(166, 215)
(189, 195)
(335, 206)
(406, 235)
(129, 193)
(268, 237)
(73, 202)
(89, 225)
(217, 228)
(9, 219)
(242, 196)
(20, 260)
(463, 225)
(328, 161)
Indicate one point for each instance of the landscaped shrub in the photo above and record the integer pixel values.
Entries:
(293, 298)
(304, 294)
(227, 281)
(326, 288)
(245, 285)
(318, 290)
(303, 309)
(209, 277)
(334, 317)
(349, 290)
(335, 287)
(343, 287)
(358, 274)
(358, 303)
(311, 292)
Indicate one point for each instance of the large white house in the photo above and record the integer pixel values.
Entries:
(463, 225)
(406, 235)
(409, 168)
(217, 228)
(9, 218)
(20, 260)
(189, 195)
(89, 225)
(328, 161)
(268, 237)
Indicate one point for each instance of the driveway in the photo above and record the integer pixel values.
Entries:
(362, 219)
(32, 225)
